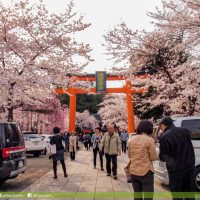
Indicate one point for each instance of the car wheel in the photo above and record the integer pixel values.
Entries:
(197, 179)
(36, 154)
(44, 152)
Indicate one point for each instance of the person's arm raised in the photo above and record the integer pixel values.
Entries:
(152, 150)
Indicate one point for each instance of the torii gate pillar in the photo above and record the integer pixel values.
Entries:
(131, 125)
(72, 112)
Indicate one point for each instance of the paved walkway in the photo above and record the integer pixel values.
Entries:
(83, 178)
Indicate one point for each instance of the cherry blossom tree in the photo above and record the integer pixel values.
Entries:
(86, 120)
(57, 118)
(113, 109)
(183, 16)
(179, 16)
(43, 117)
(37, 50)
(168, 56)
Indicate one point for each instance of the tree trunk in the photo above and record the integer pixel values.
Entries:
(28, 121)
(192, 105)
(10, 114)
(10, 106)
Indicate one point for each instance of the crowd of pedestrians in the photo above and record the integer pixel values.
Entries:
(175, 149)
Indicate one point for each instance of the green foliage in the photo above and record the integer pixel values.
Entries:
(145, 110)
(155, 112)
(84, 102)
(64, 99)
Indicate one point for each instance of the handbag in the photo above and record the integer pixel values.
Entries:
(126, 170)
(52, 149)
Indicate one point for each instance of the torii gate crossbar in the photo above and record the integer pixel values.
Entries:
(127, 89)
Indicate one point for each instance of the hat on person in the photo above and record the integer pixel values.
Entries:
(56, 130)
(167, 121)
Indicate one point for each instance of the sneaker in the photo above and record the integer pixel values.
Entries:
(108, 175)
(115, 177)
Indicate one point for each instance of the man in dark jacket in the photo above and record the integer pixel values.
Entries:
(177, 151)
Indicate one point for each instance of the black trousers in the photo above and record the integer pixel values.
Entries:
(182, 182)
(143, 184)
(113, 159)
(72, 154)
(67, 147)
(95, 151)
(90, 144)
(55, 167)
(87, 146)
(124, 144)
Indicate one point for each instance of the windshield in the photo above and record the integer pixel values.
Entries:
(13, 136)
(32, 136)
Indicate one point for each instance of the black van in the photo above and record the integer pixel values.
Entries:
(12, 151)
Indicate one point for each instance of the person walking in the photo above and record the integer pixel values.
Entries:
(87, 139)
(112, 148)
(96, 141)
(177, 151)
(57, 140)
(72, 145)
(124, 138)
(67, 141)
(142, 153)
(91, 132)
(84, 140)
(77, 140)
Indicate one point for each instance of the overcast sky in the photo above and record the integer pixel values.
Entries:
(104, 15)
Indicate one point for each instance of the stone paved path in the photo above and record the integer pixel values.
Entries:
(83, 178)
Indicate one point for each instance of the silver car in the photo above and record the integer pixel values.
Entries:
(193, 124)
(34, 143)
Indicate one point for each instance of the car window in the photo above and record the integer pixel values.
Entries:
(28, 133)
(13, 136)
(193, 126)
(33, 136)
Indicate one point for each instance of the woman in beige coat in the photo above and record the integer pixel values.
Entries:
(142, 153)
(72, 145)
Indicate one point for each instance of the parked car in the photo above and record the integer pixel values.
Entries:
(46, 138)
(34, 143)
(193, 124)
(12, 151)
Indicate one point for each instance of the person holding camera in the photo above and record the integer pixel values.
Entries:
(96, 141)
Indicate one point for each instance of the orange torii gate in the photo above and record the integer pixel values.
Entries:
(127, 89)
